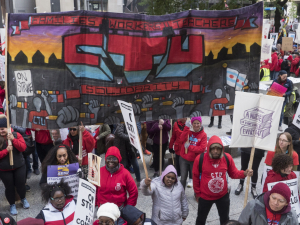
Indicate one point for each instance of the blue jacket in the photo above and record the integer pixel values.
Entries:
(288, 84)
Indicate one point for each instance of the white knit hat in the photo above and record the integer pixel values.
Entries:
(110, 210)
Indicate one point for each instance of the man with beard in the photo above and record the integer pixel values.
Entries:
(283, 81)
(209, 178)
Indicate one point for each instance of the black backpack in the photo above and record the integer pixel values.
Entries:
(201, 162)
(30, 147)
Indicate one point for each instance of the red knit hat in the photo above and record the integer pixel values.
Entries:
(282, 189)
(290, 58)
(115, 152)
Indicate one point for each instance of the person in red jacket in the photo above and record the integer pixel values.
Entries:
(278, 67)
(211, 185)
(193, 142)
(115, 182)
(88, 144)
(13, 177)
(174, 146)
(294, 64)
(282, 166)
(274, 63)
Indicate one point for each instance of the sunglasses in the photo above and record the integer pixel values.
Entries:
(72, 129)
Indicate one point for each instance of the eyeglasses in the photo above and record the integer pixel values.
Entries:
(58, 199)
(113, 159)
(282, 140)
(72, 129)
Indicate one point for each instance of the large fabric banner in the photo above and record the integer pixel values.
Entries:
(255, 120)
(68, 67)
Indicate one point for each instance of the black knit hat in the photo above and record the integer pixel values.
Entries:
(281, 72)
(3, 122)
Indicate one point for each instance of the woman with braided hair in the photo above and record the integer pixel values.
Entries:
(60, 205)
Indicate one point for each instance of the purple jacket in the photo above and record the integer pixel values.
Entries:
(153, 131)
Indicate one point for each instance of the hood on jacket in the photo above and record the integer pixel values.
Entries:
(131, 214)
(215, 140)
(169, 169)
(115, 152)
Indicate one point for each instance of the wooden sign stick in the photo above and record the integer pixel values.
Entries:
(248, 178)
(170, 139)
(11, 159)
(80, 145)
(160, 151)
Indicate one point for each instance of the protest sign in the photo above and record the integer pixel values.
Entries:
(68, 172)
(276, 90)
(292, 35)
(170, 65)
(296, 120)
(2, 67)
(297, 40)
(85, 207)
(225, 140)
(274, 37)
(94, 169)
(130, 123)
(294, 200)
(265, 33)
(287, 44)
(24, 83)
(255, 120)
(266, 49)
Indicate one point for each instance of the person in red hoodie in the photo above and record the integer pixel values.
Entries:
(174, 146)
(274, 63)
(193, 141)
(88, 144)
(278, 67)
(282, 166)
(294, 64)
(115, 182)
(211, 185)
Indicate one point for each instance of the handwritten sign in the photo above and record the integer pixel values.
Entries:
(94, 169)
(266, 48)
(85, 207)
(24, 83)
(287, 44)
(2, 67)
(276, 90)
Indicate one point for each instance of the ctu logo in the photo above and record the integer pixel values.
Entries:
(219, 106)
(39, 120)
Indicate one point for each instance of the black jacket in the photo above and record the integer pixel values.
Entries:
(131, 214)
(295, 133)
(259, 153)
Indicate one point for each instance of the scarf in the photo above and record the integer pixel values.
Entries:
(75, 140)
(284, 210)
(180, 125)
(113, 170)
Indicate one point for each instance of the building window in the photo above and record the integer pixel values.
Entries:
(96, 5)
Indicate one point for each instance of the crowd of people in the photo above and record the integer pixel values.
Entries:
(200, 162)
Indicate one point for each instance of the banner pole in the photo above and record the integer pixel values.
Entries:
(80, 146)
(187, 141)
(248, 178)
(11, 159)
(160, 151)
(170, 139)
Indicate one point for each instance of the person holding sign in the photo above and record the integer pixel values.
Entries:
(169, 201)
(115, 182)
(59, 155)
(272, 207)
(283, 145)
(13, 177)
(88, 145)
(283, 81)
(210, 183)
(193, 142)
(60, 205)
(282, 166)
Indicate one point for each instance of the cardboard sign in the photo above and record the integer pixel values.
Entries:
(287, 44)
(68, 172)
(266, 49)
(130, 123)
(294, 201)
(85, 207)
(277, 90)
(94, 169)
(255, 120)
(24, 83)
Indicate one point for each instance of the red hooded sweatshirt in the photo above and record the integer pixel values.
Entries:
(43, 137)
(294, 65)
(275, 177)
(114, 187)
(198, 142)
(274, 61)
(278, 67)
(175, 139)
(88, 145)
(213, 183)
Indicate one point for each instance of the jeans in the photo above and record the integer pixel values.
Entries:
(272, 75)
(204, 207)
(245, 158)
(156, 155)
(14, 179)
(282, 111)
(136, 168)
(185, 168)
